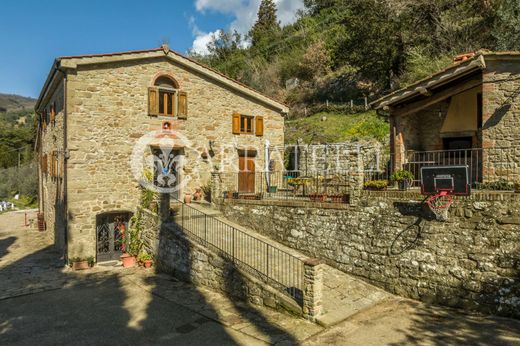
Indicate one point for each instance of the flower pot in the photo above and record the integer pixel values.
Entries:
(187, 198)
(197, 196)
(403, 185)
(148, 263)
(80, 265)
(336, 199)
(128, 260)
(318, 197)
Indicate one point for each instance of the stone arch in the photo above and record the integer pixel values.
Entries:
(162, 78)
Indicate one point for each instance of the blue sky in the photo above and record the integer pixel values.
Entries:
(33, 33)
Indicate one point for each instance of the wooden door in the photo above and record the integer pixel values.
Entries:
(246, 174)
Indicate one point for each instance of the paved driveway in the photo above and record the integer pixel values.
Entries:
(43, 303)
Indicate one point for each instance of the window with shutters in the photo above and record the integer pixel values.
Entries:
(44, 164)
(54, 164)
(165, 99)
(53, 113)
(247, 124)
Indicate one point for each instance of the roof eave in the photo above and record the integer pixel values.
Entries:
(72, 62)
(447, 75)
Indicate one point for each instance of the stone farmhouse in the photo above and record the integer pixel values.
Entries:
(465, 114)
(93, 111)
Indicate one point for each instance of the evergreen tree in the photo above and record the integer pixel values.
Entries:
(266, 28)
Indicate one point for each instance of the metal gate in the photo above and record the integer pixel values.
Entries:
(109, 235)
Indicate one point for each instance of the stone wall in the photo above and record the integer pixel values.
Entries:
(178, 255)
(501, 116)
(470, 261)
(107, 115)
(51, 190)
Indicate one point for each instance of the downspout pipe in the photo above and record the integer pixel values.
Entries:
(65, 159)
(266, 163)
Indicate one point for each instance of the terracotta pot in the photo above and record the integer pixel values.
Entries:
(197, 196)
(128, 260)
(148, 263)
(80, 265)
(187, 198)
(318, 197)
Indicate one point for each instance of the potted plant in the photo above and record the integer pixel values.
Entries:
(145, 259)
(403, 178)
(187, 197)
(318, 197)
(338, 198)
(197, 195)
(132, 242)
(78, 263)
(376, 185)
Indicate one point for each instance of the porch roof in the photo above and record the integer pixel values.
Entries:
(423, 87)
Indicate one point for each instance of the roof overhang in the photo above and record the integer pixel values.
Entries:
(424, 87)
(73, 62)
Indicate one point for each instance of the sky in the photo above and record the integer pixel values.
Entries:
(33, 33)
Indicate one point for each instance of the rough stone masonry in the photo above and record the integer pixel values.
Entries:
(471, 261)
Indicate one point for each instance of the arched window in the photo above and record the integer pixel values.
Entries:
(165, 98)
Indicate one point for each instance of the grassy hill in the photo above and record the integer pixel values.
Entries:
(328, 127)
(15, 102)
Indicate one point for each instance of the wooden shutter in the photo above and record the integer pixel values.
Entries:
(53, 113)
(259, 126)
(44, 163)
(44, 120)
(61, 173)
(236, 123)
(183, 105)
(54, 164)
(153, 101)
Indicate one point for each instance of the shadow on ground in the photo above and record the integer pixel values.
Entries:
(433, 325)
(42, 302)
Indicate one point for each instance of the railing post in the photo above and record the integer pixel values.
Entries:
(233, 243)
(205, 227)
(182, 216)
(312, 288)
(267, 260)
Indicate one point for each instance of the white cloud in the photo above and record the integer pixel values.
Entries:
(245, 14)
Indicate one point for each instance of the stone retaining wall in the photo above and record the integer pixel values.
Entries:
(471, 261)
(188, 261)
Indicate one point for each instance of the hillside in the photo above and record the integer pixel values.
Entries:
(15, 102)
(328, 127)
(341, 51)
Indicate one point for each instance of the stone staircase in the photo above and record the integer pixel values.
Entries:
(342, 294)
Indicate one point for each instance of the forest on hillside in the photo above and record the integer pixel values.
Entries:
(342, 50)
(17, 156)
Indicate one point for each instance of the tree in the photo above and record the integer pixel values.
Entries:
(506, 30)
(266, 29)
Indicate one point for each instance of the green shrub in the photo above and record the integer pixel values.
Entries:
(376, 184)
(401, 175)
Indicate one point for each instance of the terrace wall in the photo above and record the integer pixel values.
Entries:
(389, 239)
(176, 254)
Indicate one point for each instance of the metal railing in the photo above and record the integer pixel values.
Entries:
(319, 186)
(273, 265)
(494, 168)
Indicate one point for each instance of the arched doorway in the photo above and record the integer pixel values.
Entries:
(110, 228)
